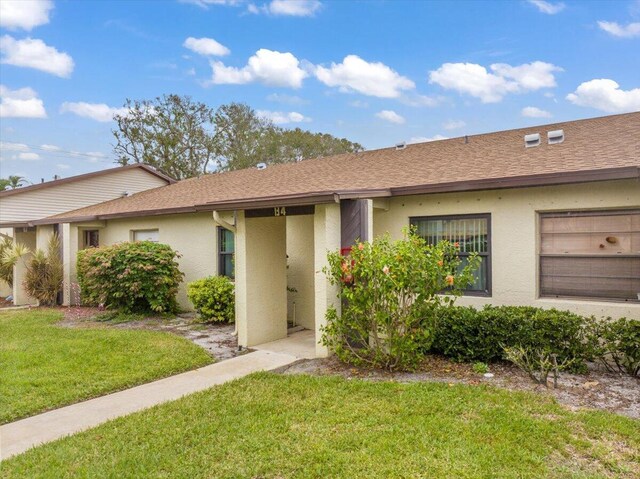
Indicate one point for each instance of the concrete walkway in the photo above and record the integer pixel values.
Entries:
(19, 436)
(301, 344)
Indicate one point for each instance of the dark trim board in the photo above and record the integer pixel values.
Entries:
(280, 211)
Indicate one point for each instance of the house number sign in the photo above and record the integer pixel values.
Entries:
(280, 211)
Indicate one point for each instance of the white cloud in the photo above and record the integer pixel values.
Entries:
(453, 124)
(390, 116)
(548, 7)
(630, 30)
(50, 147)
(63, 166)
(34, 53)
(24, 14)
(286, 99)
(29, 156)
(206, 46)
(9, 146)
(266, 66)
(606, 95)
(95, 111)
(535, 112)
(206, 3)
(359, 104)
(420, 100)
(295, 8)
(280, 118)
(356, 74)
(422, 139)
(491, 87)
(21, 103)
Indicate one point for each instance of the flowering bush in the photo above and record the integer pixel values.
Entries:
(390, 291)
(213, 298)
(135, 277)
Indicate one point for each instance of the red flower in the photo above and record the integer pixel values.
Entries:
(449, 279)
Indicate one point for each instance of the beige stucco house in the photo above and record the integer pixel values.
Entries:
(553, 210)
(20, 207)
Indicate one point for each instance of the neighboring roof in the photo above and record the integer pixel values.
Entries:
(604, 148)
(70, 179)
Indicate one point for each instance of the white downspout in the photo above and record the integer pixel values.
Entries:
(232, 228)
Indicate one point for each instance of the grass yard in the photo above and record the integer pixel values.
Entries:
(298, 426)
(43, 366)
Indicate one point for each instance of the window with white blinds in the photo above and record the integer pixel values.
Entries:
(472, 233)
(592, 254)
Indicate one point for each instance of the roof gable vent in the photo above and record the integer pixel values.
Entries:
(261, 166)
(401, 146)
(555, 136)
(531, 140)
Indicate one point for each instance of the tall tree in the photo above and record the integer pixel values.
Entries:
(4, 184)
(16, 181)
(186, 138)
(173, 133)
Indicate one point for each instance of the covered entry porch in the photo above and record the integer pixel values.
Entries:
(279, 260)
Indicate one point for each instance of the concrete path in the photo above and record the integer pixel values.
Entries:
(301, 344)
(17, 437)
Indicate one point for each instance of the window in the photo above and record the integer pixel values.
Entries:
(593, 255)
(226, 248)
(146, 235)
(91, 238)
(472, 232)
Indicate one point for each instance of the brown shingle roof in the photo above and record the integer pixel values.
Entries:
(594, 149)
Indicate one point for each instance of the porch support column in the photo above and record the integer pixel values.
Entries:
(69, 237)
(261, 279)
(326, 238)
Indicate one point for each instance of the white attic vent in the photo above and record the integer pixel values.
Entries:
(555, 136)
(261, 166)
(531, 140)
(401, 146)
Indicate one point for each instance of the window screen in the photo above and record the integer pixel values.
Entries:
(226, 249)
(590, 254)
(472, 232)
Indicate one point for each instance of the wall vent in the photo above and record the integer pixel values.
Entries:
(401, 146)
(531, 140)
(261, 166)
(555, 136)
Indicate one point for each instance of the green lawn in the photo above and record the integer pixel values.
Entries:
(273, 426)
(43, 366)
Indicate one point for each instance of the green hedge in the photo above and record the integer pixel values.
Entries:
(213, 298)
(468, 334)
(133, 277)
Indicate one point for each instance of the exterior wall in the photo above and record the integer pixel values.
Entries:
(5, 289)
(514, 227)
(40, 203)
(192, 235)
(327, 236)
(300, 271)
(261, 280)
(27, 238)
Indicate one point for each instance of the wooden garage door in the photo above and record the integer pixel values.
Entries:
(590, 254)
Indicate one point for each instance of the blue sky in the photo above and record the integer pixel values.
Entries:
(376, 72)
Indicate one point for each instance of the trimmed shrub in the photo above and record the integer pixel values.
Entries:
(618, 347)
(134, 277)
(44, 275)
(468, 334)
(389, 292)
(213, 298)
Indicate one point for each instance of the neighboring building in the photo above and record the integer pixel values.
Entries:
(553, 210)
(20, 207)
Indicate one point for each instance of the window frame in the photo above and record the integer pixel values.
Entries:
(85, 237)
(486, 293)
(221, 254)
(143, 230)
(571, 213)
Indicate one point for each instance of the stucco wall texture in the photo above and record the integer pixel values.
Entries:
(514, 241)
